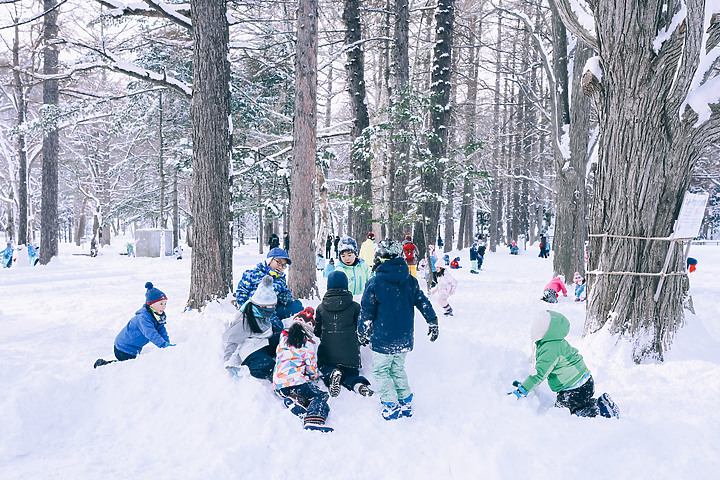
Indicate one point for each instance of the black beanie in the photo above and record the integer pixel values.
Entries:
(337, 279)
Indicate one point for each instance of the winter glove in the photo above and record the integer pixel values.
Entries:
(168, 344)
(519, 391)
(433, 332)
(364, 339)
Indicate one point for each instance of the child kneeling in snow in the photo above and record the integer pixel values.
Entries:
(553, 289)
(445, 288)
(336, 322)
(564, 368)
(295, 367)
(148, 325)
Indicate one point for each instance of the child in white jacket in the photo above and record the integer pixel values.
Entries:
(446, 285)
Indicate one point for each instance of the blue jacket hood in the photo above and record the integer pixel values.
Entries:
(394, 270)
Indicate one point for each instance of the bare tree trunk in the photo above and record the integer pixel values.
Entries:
(496, 193)
(49, 215)
(161, 162)
(302, 279)
(175, 210)
(400, 147)
(355, 67)
(211, 267)
(22, 237)
(440, 120)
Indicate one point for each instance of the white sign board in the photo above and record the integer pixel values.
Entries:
(691, 215)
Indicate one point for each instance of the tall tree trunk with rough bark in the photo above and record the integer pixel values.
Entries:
(400, 147)
(211, 267)
(302, 279)
(20, 103)
(51, 138)
(355, 67)
(440, 87)
(655, 120)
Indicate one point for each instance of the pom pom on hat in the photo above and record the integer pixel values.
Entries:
(306, 316)
(337, 279)
(265, 295)
(153, 294)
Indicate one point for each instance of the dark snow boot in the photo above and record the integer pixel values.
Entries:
(363, 390)
(100, 362)
(608, 409)
(334, 383)
(448, 310)
(317, 424)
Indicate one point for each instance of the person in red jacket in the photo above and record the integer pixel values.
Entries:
(410, 254)
(553, 289)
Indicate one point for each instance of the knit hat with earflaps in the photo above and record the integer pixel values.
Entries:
(577, 278)
(153, 294)
(347, 243)
(264, 296)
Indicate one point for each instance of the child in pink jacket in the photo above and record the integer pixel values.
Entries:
(553, 289)
(295, 368)
(446, 285)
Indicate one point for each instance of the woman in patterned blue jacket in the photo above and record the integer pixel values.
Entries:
(274, 265)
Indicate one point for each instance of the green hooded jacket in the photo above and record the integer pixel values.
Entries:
(357, 274)
(555, 358)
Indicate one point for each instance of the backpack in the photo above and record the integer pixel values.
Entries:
(409, 253)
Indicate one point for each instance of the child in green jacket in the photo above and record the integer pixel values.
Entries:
(563, 367)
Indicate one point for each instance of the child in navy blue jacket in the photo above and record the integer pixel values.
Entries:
(148, 325)
(387, 321)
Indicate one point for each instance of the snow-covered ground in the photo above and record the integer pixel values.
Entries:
(176, 414)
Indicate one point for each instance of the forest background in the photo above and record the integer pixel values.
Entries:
(449, 118)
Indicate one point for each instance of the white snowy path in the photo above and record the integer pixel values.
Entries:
(176, 414)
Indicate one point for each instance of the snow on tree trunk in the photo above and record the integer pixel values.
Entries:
(49, 215)
(20, 105)
(211, 267)
(302, 279)
(649, 143)
(440, 120)
(355, 67)
(400, 147)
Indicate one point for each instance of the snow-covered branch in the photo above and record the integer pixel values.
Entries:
(177, 13)
(578, 18)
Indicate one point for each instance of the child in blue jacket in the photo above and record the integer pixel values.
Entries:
(387, 321)
(148, 325)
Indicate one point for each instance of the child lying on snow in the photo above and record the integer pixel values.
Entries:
(295, 368)
(564, 368)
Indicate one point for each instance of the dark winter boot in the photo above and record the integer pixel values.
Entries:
(363, 390)
(390, 410)
(100, 362)
(608, 409)
(317, 424)
(406, 406)
(448, 310)
(334, 383)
